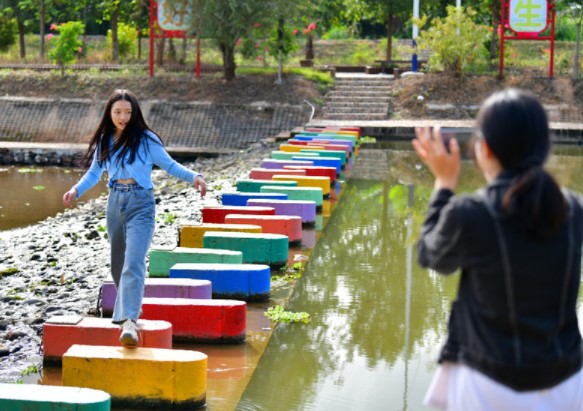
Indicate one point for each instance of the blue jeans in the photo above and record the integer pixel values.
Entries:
(130, 227)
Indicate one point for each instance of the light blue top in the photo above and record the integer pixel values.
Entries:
(150, 152)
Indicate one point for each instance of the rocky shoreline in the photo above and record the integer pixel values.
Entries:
(57, 266)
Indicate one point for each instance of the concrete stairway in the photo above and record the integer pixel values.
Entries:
(358, 98)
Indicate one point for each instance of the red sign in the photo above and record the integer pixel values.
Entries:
(526, 20)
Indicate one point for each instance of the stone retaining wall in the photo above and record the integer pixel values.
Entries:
(192, 124)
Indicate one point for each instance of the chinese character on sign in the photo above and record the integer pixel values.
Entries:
(528, 16)
(175, 15)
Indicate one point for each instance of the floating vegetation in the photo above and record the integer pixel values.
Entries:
(279, 314)
(38, 188)
(30, 170)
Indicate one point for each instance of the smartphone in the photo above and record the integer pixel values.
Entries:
(460, 134)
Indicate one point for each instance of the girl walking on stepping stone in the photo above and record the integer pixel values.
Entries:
(127, 148)
(513, 338)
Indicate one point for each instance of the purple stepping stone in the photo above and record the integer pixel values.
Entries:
(304, 209)
(272, 163)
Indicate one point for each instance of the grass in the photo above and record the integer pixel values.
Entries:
(519, 54)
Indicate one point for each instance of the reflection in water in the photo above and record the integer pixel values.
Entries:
(31, 194)
(378, 319)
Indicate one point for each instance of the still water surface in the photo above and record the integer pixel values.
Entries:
(31, 194)
(378, 318)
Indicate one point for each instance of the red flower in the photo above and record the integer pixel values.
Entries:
(306, 31)
(295, 32)
(312, 26)
(257, 25)
(238, 42)
(258, 58)
(50, 36)
(53, 27)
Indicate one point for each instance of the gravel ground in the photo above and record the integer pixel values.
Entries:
(57, 266)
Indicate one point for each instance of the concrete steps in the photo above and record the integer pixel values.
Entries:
(358, 99)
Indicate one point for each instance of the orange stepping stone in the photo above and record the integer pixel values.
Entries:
(61, 332)
(288, 225)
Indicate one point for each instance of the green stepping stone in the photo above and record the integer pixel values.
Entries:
(263, 248)
(27, 397)
(314, 194)
(163, 258)
(254, 186)
(287, 155)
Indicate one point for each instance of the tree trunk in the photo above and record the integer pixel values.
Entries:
(139, 44)
(495, 9)
(309, 47)
(228, 61)
(171, 51)
(41, 14)
(389, 50)
(114, 39)
(183, 54)
(280, 27)
(160, 52)
(577, 52)
(21, 43)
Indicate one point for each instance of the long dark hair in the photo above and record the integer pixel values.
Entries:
(130, 137)
(515, 126)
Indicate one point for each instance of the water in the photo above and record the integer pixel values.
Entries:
(378, 319)
(31, 194)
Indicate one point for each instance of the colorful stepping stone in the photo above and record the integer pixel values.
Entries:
(288, 225)
(323, 161)
(316, 171)
(248, 282)
(61, 332)
(294, 148)
(313, 136)
(217, 214)
(326, 153)
(254, 186)
(314, 194)
(145, 378)
(270, 249)
(267, 173)
(200, 321)
(274, 163)
(192, 235)
(306, 210)
(284, 155)
(342, 145)
(307, 181)
(161, 288)
(240, 199)
(162, 258)
(28, 397)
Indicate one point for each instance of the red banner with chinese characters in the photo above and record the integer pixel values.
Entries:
(527, 20)
(171, 19)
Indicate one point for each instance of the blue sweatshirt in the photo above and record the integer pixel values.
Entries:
(150, 152)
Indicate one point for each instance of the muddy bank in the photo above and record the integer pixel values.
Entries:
(57, 266)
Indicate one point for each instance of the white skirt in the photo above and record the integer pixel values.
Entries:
(457, 387)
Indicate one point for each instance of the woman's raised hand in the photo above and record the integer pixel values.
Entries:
(444, 164)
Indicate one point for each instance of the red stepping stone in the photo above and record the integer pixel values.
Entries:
(61, 332)
(288, 225)
(316, 171)
(200, 321)
(268, 173)
(217, 214)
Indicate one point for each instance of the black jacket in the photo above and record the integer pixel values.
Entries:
(515, 317)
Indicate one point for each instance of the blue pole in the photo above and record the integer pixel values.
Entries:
(414, 57)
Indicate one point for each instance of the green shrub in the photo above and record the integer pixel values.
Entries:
(67, 45)
(454, 51)
(338, 33)
(8, 32)
(127, 40)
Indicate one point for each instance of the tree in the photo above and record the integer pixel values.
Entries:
(456, 40)
(67, 45)
(8, 29)
(226, 21)
(380, 11)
